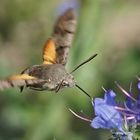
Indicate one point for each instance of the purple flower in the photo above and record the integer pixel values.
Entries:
(107, 117)
(131, 108)
(121, 119)
(139, 85)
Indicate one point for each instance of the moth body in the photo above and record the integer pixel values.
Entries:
(55, 76)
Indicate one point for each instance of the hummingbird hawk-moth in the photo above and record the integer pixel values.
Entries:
(51, 74)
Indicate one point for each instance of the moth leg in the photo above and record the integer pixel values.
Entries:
(37, 89)
(36, 86)
(21, 88)
(26, 71)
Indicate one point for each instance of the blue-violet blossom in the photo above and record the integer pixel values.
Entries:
(121, 119)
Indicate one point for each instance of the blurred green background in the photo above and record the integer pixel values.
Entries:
(110, 28)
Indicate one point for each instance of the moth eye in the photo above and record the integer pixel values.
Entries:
(49, 80)
(65, 83)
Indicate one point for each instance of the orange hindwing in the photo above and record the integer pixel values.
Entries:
(49, 52)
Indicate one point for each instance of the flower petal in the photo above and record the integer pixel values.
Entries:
(109, 97)
(139, 85)
(107, 116)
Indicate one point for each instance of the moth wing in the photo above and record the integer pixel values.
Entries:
(21, 77)
(49, 52)
(19, 81)
(57, 47)
(63, 34)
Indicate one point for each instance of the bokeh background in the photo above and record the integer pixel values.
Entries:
(108, 27)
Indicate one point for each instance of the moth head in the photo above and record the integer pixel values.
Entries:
(68, 81)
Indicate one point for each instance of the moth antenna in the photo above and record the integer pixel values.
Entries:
(83, 91)
(86, 61)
